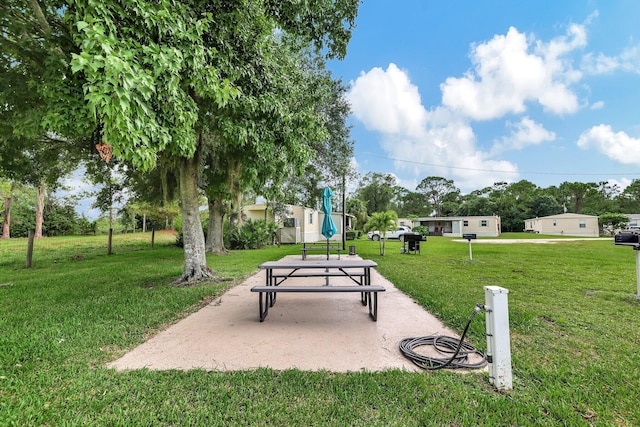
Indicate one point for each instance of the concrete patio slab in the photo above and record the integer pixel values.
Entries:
(328, 331)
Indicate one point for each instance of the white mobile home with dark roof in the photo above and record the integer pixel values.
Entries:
(481, 226)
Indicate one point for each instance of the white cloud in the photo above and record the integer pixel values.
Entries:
(617, 146)
(622, 183)
(628, 61)
(600, 64)
(511, 70)
(76, 186)
(354, 163)
(352, 184)
(524, 133)
(529, 132)
(435, 142)
(509, 73)
(553, 51)
(387, 102)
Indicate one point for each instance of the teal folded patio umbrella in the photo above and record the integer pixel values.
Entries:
(328, 226)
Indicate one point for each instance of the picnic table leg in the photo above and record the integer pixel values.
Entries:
(365, 298)
(264, 308)
(271, 296)
(374, 314)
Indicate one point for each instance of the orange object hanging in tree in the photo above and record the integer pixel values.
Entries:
(105, 150)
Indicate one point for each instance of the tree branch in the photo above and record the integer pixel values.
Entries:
(42, 20)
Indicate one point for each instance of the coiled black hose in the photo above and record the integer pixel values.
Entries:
(444, 345)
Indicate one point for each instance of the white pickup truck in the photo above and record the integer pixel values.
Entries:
(391, 234)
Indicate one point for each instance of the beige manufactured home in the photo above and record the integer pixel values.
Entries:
(567, 224)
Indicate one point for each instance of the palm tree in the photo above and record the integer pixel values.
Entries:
(383, 221)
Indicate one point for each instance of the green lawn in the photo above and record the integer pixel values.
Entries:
(575, 331)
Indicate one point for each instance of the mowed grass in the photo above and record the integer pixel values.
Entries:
(575, 331)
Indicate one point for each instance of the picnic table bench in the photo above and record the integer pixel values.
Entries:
(319, 246)
(359, 271)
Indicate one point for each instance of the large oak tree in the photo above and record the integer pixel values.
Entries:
(144, 74)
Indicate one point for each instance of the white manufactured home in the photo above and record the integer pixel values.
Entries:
(302, 225)
(481, 226)
(566, 224)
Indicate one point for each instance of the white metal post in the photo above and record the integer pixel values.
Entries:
(498, 340)
(470, 253)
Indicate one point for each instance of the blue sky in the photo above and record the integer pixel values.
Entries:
(486, 91)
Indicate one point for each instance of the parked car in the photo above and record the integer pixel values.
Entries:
(391, 234)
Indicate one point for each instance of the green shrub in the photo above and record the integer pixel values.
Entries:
(238, 239)
(351, 235)
(253, 235)
(422, 229)
(60, 220)
(177, 223)
(87, 227)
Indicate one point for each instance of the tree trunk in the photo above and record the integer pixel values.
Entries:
(40, 192)
(215, 237)
(195, 262)
(6, 223)
(238, 209)
(233, 184)
(578, 203)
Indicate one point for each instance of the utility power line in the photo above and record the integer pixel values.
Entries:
(497, 171)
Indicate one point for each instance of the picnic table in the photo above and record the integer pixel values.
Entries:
(357, 270)
(320, 246)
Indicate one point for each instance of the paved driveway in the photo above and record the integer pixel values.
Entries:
(539, 241)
